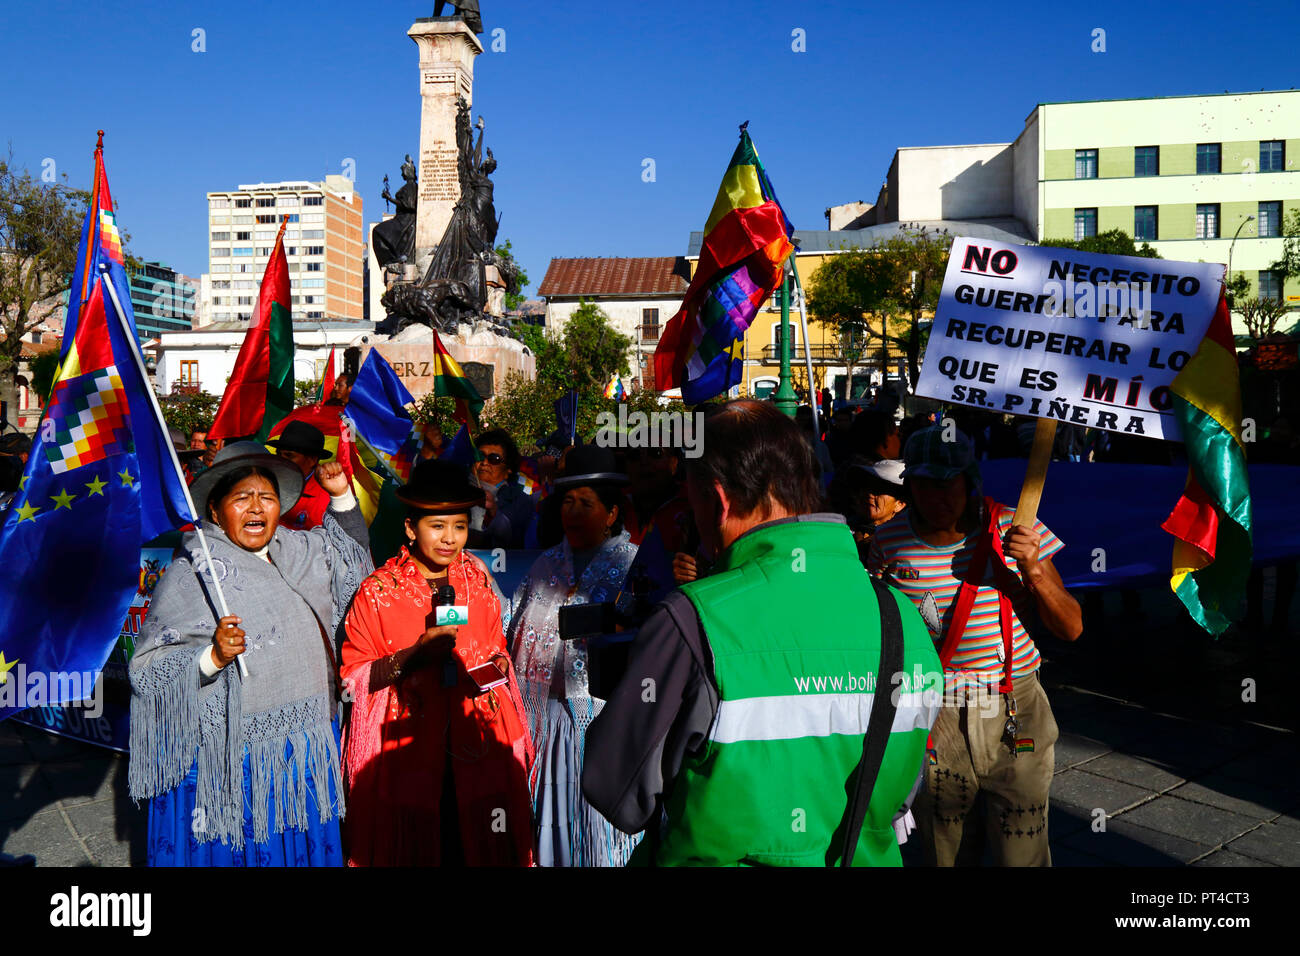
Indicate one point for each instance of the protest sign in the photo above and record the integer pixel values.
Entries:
(1093, 340)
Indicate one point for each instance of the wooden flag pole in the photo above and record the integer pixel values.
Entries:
(1031, 492)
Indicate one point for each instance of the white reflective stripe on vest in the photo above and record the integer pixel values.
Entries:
(813, 715)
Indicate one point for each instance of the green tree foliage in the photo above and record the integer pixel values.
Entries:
(304, 393)
(40, 226)
(881, 294)
(1237, 289)
(189, 410)
(1113, 242)
(514, 299)
(44, 366)
(1289, 264)
(584, 357)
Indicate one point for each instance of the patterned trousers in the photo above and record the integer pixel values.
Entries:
(979, 795)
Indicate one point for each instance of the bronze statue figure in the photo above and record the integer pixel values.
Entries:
(467, 10)
(394, 240)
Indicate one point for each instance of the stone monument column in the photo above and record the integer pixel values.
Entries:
(447, 50)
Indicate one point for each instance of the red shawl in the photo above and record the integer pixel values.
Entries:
(397, 744)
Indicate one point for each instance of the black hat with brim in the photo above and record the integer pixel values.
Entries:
(239, 455)
(440, 487)
(590, 465)
(303, 438)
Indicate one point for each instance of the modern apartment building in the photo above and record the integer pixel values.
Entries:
(323, 243)
(1201, 178)
(162, 299)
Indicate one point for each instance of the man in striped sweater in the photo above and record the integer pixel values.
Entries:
(975, 577)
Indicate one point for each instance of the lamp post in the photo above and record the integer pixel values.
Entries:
(1234, 242)
(784, 398)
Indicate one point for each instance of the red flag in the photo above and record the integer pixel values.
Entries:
(327, 383)
(260, 391)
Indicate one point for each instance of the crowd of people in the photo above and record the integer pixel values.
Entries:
(689, 672)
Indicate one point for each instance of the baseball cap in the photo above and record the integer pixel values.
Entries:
(888, 471)
(928, 455)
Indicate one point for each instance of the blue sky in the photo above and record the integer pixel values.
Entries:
(582, 94)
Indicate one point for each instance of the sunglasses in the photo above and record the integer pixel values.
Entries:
(494, 459)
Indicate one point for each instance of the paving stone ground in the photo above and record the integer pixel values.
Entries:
(1161, 760)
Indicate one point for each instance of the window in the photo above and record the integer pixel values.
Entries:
(266, 234)
(189, 372)
(310, 299)
(242, 251)
(1085, 223)
(313, 233)
(243, 284)
(313, 251)
(315, 315)
(313, 200)
(1270, 285)
(1146, 222)
(243, 236)
(290, 217)
(265, 220)
(1146, 161)
(1272, 156)
(219, 203)
(244, 300)
(221, 237)
(313, 283)
(220, 267)
(311, 217)
(243, 220)
(1207, 159)
(265, 202)
(1207, 220)
(243, 203)
(221, 285)
(265, 250)
(1270, 220)
(286, 200)
(221, 252)
(1085, 164)
(313, 267)
(220, 220)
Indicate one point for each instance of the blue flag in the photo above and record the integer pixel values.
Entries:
(566, 415)
(460, 449)
(99, 483)
(377, 408)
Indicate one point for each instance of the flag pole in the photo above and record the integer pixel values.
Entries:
(807, 346)
(134, 348)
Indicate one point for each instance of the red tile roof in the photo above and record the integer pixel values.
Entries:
(646, 276)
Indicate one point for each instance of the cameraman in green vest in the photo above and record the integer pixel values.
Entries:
(740, 732)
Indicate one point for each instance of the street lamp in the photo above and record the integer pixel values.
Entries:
(1234, 242)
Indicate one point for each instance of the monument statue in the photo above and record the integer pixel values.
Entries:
(467, 10)
(394, 240)
(454, 288)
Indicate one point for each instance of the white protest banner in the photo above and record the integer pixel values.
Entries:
(1094, 340)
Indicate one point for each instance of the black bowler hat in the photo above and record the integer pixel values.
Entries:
(303, 438)
(590, 465)
(440, 488)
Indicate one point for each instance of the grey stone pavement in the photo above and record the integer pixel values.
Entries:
(1155, 736)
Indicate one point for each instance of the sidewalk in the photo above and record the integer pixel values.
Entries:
(1173, 791)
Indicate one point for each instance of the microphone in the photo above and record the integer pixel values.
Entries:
(446, 595)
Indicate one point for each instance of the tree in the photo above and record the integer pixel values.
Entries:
(40, 226)
(1112, 242)
(304, 393)
(43, 367)
(1261, 316)
(1289, 264)
(514, 299)
(189, 410)
(884, 291)
(1236, 288)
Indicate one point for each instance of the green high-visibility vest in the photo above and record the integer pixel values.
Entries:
(794, 627)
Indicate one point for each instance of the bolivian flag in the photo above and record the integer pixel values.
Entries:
(1211, 521)
(746, 243)
(449, 380)
(338, 442)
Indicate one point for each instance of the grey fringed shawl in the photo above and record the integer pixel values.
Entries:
(289, 696)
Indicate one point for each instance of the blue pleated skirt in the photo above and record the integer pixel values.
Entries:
(172, 842)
